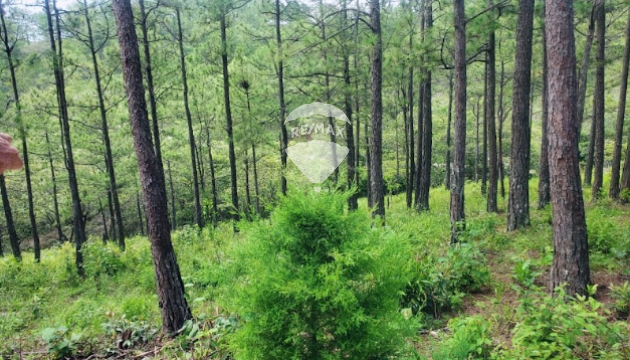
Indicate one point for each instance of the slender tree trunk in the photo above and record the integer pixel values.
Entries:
(60, 233)
(110, 207)
(191, 133)
(215, 196)
(8, 214)
(172, 300)
(356, 94)
(228, 117)
(377, 193)
(458, 175)
(104, 220)
(484, 143)
(570, 261)
(518, 202)
(427, 128)
(491, 118)
(173, 205)
(284, 139)
(248, 197)
(144, 27)
(410, 132)
(586, 57)
(599, 98)
(8, 49)
(419, 148)
(253, 147)
(502, 116)
(331, 122)
(447, 182)
(477, 113)
(590, 155)
(544, 194)
(621, 114)
(351, 159)
(77, 212)
(109, 160)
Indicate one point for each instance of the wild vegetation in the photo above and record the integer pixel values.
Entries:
(479, 210)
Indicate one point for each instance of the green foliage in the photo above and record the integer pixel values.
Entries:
(621, 294)
(102, 259)
(524, 273)
(552, 327)
(317, 282)
(60, 342)
(127, 333)
(440, 283)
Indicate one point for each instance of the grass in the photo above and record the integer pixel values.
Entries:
(119, 291)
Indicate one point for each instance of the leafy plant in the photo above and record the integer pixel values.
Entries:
(60, 342)
(129, 333)
(524, 274)
(621, 294)
(318, 282)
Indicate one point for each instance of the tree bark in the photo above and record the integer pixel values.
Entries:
(60, 235)
(614, 191)
(491, 119)
(544, 194)
(377, 193)
(144, 27)
(586, 57)
(173, 304)
(410, 133)
(351, 158)
(599, 99)
(570, 260)
(104, 220)
(8, 49)
(284, 138)
(213, 182)
(8, 214)
(502, 116)
(518, 201)
(191, 133)
(427, 128)
(458, 174)
(77, 212)
(228, 118)
(109, 160)
(447, 181)
(173, 205)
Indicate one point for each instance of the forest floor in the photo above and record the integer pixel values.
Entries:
(48, 312)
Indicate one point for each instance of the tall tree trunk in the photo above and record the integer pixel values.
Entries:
(419, 147)
(447, 182)
(491, 118)
(544, 194)
(170, 288)
(77, 212)
(599, 98)
(458, 175)
(110, 207)
(191, 133)
(351, 159)
(590, 155)
(253, 147)
(427, 128)
(477, 113)
(484, 143)
(173, 205)
(377, 193)
(109, 160)
(8, 49)
(621, 114)
(502, 116)
(8, 214)
(410, 133)
(248, 197)
(104, 220)
(570, 260)
(518, 202)
(213, 182)
(144, 27)
(355, 65)
(586, 57)
(228, 117)
(284, 138)
(60, 235)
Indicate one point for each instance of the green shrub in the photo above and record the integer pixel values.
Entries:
(551, 327)
(440, 283)
(621, 294)
(317, 282)
(60, 342)
(102, 259)
(127, 333)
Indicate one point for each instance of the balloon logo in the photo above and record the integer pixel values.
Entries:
(316, 159)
